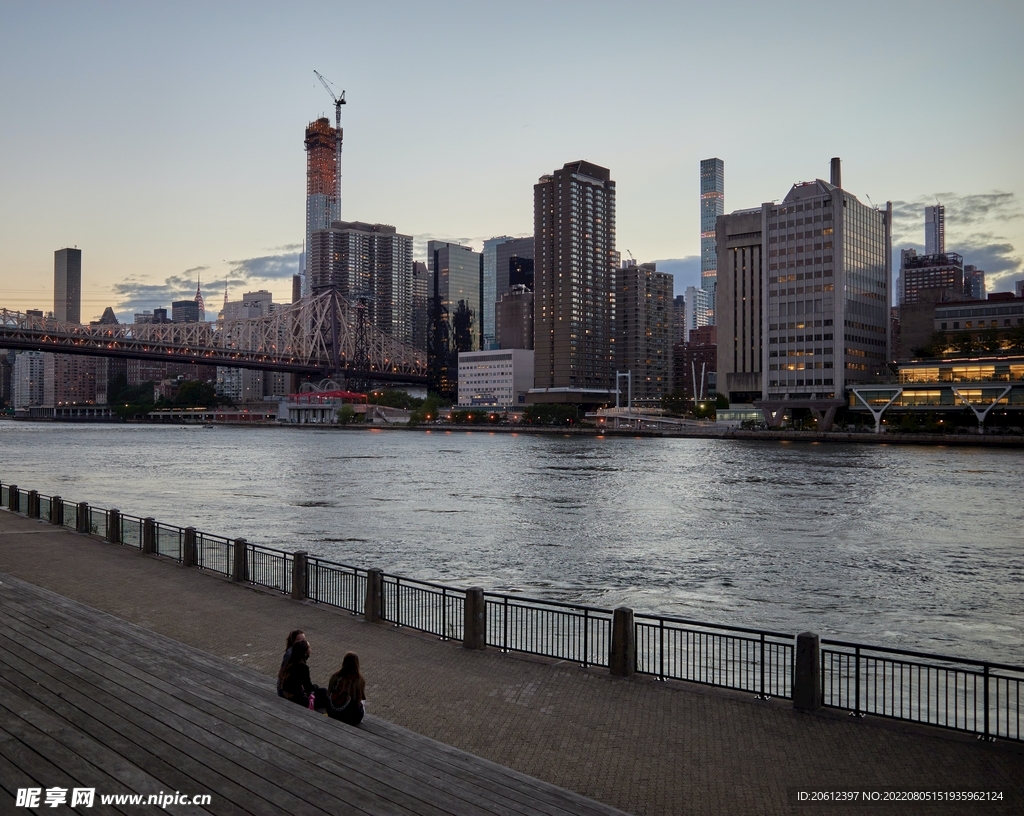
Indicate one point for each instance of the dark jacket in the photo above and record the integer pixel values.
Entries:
(297, 685)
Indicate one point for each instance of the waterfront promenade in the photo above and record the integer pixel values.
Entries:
(638, 745)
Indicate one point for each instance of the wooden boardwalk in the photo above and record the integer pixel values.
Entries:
(90, 701)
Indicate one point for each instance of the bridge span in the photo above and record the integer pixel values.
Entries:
(318, 336)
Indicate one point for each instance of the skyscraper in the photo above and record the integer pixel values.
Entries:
(712, 205)
(67, 285)
(456, 309)
(323, 191)
(974, 282)
(934, 230)
(829, 278)
(643, 329)
(574, 251)
(372, 262)
(738, 299)
(930, 278)
(696, 310)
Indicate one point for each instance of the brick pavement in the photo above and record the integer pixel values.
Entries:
(644, 746)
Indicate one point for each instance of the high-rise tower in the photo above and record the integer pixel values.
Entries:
(712, 205)
(574, 259)
(934, 230)
(67, 285)
(323, 198)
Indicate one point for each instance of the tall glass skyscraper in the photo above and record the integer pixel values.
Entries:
(712, 205)
(934, 230)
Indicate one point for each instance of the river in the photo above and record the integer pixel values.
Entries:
(911, 547)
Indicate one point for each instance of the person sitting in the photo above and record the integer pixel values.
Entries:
(294, 635)
(347, 691)
(296, 684)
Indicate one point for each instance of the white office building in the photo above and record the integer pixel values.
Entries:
(495, 379)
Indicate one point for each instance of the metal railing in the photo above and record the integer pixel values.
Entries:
(336, 585)
(268, 568)
(432, 608)
(964, 695)
(573, 632)
(973, 696)
(728, 656)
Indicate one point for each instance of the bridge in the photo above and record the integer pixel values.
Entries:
(323, 335)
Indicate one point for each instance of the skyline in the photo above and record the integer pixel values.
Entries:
(185, 150)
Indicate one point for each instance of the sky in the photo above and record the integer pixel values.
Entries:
(165, 140)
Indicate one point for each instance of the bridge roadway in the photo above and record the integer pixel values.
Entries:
(640, 745)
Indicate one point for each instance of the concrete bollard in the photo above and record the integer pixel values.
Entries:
(57, 511)
(474, 635)
(148, 536)
(84, 522)
(188, 547)
(240, 562)
(373, 609)
(33, 504)
(622, 651)
(12, 498)
(299, 564)
(807, 672)
(113, 526)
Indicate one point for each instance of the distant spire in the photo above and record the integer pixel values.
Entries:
(199, 301)
(225, 293)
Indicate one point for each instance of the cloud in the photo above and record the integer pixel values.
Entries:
(134, 296)
(685, 271)
(972, 222)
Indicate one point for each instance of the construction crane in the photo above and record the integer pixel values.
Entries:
(338, 102)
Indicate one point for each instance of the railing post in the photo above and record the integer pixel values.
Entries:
(807, 672)
(856, 680)
(987, 736)
(373, 607)
(299, 562)
(57, 511)
(188, 547)
(622, 654)
(474, 635)
(84, 522)
(12, 498)
(586, 641)
(114, 526)
(148, 536)
(240, 563)
(33, 504)
(763, 694)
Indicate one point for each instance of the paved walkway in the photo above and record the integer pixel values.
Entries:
(639, 745)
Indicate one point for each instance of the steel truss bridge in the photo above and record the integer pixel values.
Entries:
(324, 335)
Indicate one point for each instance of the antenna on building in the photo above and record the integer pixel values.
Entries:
(338, 102)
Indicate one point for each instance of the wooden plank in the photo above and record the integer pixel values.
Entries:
(498, 800)
(115, 734)
(263, 725)
(276, 775)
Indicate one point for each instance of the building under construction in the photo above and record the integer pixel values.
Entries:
(323, 198)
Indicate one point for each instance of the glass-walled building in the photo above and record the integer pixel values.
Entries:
(456, 310)
(712, 205)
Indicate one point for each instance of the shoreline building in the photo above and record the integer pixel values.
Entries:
(248, 384)
(740, 329)
(712, 205)
(695, 363)
(643, 329)
(514, 319)
(456, 311)
(829, 277)
(496, 379)
(930, 278)
(574, 262)
(323, 185)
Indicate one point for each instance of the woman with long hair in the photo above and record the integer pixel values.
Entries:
(293, 636)
(347, 690)
(296, 684)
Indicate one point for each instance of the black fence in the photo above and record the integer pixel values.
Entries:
(973, 696)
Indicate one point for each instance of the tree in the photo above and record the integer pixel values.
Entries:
(962, 341)
(428, 411)
(721, 401)
(196, 394)
(551, 414)
(990, 339)
(394, 399)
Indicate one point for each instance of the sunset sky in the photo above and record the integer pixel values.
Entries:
(165, 140)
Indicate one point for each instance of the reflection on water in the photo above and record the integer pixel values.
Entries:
(906, 546)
